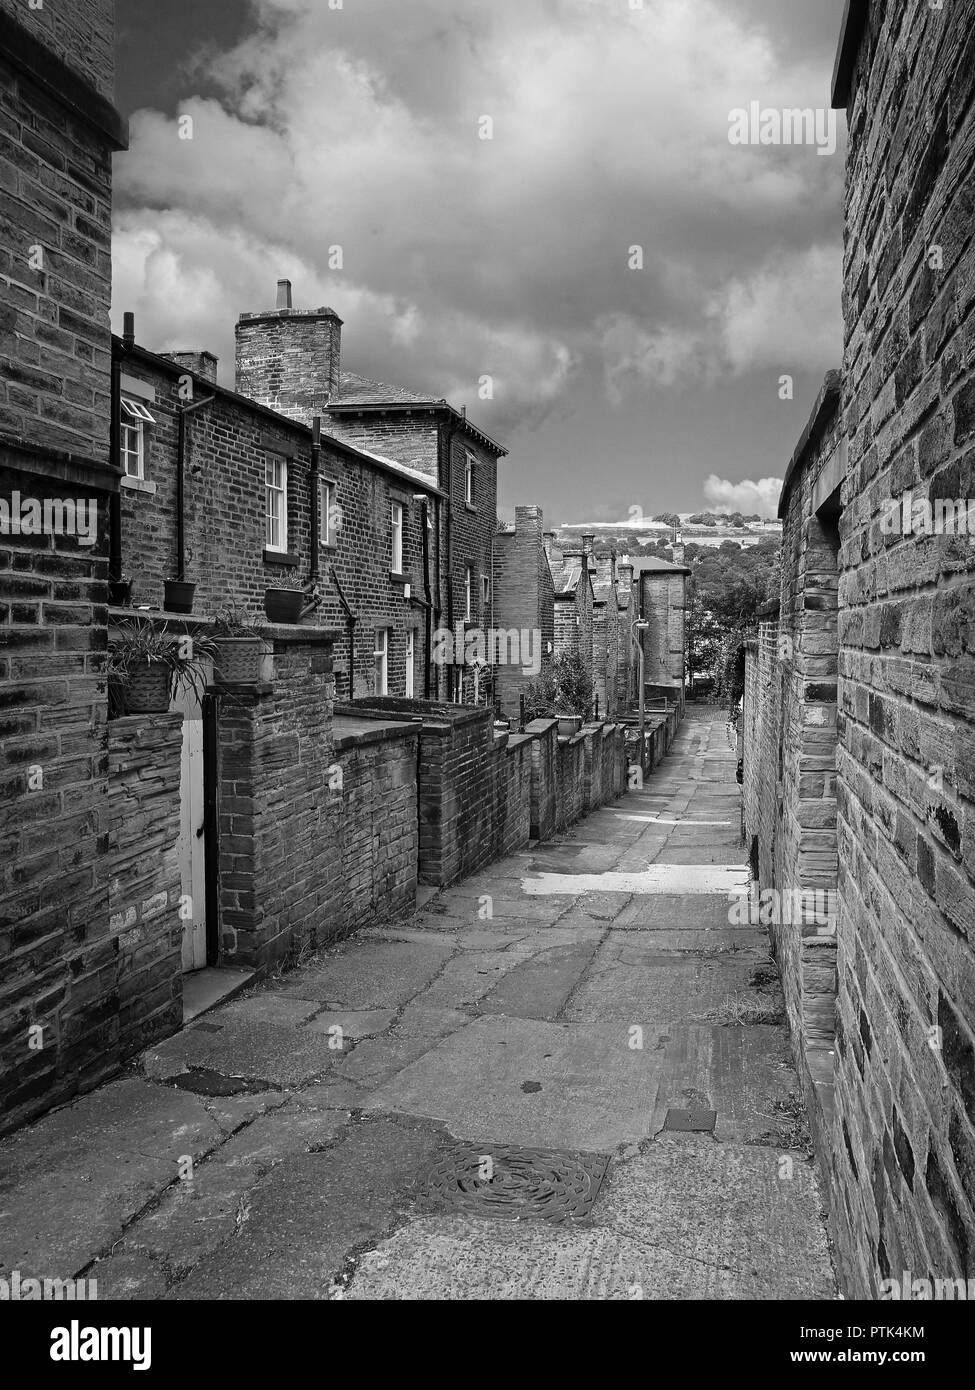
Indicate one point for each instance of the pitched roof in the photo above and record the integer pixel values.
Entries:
(362, 393)
(565, 577)
(362, 390)
(649, 564)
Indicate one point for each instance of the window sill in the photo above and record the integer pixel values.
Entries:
(329, 548)
(398, 577)
(468, 507)
(280, 557)
(138, 485)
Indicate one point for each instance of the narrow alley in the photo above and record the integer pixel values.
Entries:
(566, 1077)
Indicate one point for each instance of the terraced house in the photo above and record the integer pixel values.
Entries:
(290, 359)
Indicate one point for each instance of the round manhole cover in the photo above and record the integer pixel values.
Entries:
(515, 1183)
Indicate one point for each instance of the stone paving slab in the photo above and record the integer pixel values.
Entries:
(540, 986)
(261, 1053)
(69, 1182)
(746, 1075)
(659, 988)
(520, 1081)
(312, 1209)
(686, 1219)
(370, 974)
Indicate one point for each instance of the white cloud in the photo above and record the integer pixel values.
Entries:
(357, 127)
(759, 498)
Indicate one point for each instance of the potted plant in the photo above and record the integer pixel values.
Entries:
(240, 647)
(178, 595)
(148, 664)
(284, 601)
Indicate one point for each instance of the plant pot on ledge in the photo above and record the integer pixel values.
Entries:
(238, 660)
(148, 689)
(178, 595)
(120, 592)
(283, 605)
(569, 725)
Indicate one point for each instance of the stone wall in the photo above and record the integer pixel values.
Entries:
(376, 825)
(140, 956)
(523, 601)
(59, 1008)
(279, 860)
(903, 1150)
(228, 442)
(55, 229)
(289, 360)
(482, 795)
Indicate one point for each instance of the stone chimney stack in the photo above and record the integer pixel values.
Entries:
(290, 359)
(624, 571)
(678, 547)
(202, 364)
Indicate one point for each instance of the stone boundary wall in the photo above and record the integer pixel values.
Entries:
(376, 829)
(143, 947)
(903, 1147)
(483, 795)
(279, 862)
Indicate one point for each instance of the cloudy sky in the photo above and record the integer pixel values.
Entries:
(358, 124)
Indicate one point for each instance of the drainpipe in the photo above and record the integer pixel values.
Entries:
(115, 450)
(350, 619)
(315, 489)
(184, 410)
(425, 523)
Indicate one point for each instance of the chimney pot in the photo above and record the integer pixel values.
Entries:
(284, 294)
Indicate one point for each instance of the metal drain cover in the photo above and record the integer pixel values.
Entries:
(513, 1183)
(691, 1121)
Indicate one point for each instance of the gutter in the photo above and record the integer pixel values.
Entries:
(115, 450)
(851, 36)
(315, 499)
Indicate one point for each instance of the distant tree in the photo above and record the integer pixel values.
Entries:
(669, 518)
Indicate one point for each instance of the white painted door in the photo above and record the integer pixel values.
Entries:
(191, 846)
(410, 652)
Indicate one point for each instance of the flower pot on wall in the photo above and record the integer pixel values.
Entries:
(283, 605)
(238, 660)
(569, 724)
(178, 595)
(120, 592)
(147, 690)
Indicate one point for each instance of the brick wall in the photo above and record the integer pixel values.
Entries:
(227, 444)
(376, 826)
(138, 963)
(903, 1151)
(279, 861)
(57, 134)
(80, 34)
(523, 600)
(55, 246)
(663, 602)
(482, 796)
(289, 360)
